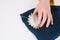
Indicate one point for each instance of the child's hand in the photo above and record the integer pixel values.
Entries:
(43, 10)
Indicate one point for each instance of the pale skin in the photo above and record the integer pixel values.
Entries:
(43, 10)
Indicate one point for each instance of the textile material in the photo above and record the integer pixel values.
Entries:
(51, 2)
(45, 33)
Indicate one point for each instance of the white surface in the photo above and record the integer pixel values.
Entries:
(57, 2)
(11, 26)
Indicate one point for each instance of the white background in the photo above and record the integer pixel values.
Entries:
(11, 25)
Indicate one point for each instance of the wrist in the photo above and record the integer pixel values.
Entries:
(44, 2)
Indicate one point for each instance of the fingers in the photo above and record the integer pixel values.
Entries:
(44, 19)
(39, 17)
(35, 11)
(51, 20)
(48, 22)
(47, 17)
(43, 16)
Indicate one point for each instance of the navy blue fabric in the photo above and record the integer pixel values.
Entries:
(45, 33)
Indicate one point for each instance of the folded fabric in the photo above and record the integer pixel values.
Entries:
(44, 33)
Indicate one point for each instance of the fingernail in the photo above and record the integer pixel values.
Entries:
(40, 25)
(52, 23)
(47, 26)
